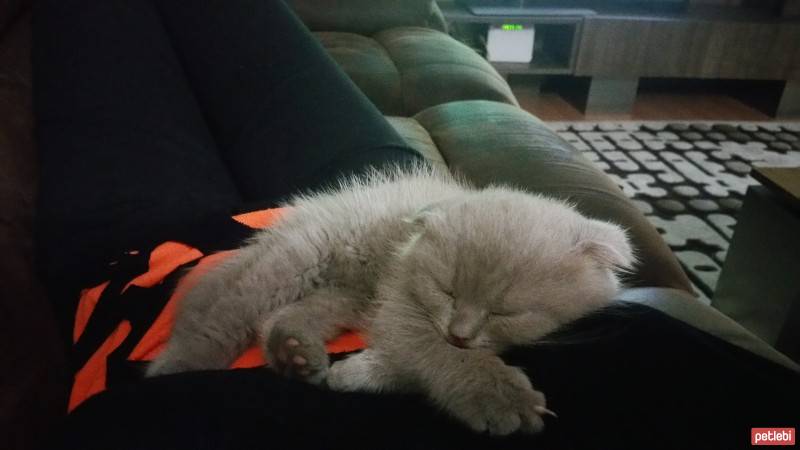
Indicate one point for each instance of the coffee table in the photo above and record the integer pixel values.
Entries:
(759, 286)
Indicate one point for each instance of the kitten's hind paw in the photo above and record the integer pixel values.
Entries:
(164, 365)
(295, 356)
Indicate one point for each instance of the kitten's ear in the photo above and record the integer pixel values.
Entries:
(424, 215)
(608, 245)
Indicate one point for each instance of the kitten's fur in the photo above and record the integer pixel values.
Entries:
(439, 275)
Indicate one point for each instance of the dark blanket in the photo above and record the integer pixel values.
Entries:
(627, 377)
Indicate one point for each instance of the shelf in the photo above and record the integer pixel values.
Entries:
(555, 45)
(542, 64)
(457, 13)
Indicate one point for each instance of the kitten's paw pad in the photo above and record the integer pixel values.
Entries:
(295, 357)
(504, 407)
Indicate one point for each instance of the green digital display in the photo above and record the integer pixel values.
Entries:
(512, 27)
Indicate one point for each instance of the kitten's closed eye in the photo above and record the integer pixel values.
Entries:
(503, 313)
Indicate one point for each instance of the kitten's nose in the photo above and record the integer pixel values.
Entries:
(458, 341)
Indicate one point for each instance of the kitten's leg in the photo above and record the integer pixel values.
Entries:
(481, 390)
(296, 334)
(221, 314)
(474, 385)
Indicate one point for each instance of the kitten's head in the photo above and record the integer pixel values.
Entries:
(500, 267)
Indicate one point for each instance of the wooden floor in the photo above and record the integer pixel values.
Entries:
(653, 105)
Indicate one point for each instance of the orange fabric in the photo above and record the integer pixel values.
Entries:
(254, 357)
(86, 305)
(260, 219)
(164, 260)
(347, 342)
(91, 379)
(157, 335)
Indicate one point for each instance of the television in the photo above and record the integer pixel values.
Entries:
(510, 7)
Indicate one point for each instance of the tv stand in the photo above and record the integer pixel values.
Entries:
(528, 11)
(608, 52)
(556, 42)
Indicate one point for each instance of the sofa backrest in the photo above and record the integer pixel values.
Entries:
(368, 16)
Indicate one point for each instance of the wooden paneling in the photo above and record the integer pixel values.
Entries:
(611, 95)
(679, 48)
(612, 47)
(789, 103)
(625, 47)
(758, 51)
(716, 2)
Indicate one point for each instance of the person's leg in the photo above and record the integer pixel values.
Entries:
(627, 378)
(124, 150)
(285, 116)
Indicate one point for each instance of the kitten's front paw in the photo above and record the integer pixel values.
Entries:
(341, 378)
(361, 372)
(501, 404)
(296, 356)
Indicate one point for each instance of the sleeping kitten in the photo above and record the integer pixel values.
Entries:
(440, 276)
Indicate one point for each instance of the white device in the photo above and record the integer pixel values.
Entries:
(510, 43)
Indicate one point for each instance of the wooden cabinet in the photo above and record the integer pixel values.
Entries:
(713, 39)
(631, 47)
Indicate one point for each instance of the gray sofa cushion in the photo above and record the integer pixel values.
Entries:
(490, 142)
(405, 70)
(367, 16)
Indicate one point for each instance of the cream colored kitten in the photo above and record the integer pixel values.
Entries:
(440, 276)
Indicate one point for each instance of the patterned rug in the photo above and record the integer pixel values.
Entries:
(689, 179)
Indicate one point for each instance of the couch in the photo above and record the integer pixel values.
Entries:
(455, 109)
(448, 103)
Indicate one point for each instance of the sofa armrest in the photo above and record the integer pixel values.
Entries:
(682, 306)
(367, 16)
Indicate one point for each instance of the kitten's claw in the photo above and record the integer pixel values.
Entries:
(544, 411)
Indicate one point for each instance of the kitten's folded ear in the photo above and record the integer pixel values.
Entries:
(608, 245)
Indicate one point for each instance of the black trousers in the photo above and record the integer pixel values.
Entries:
(625, 378)
(151, 115)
